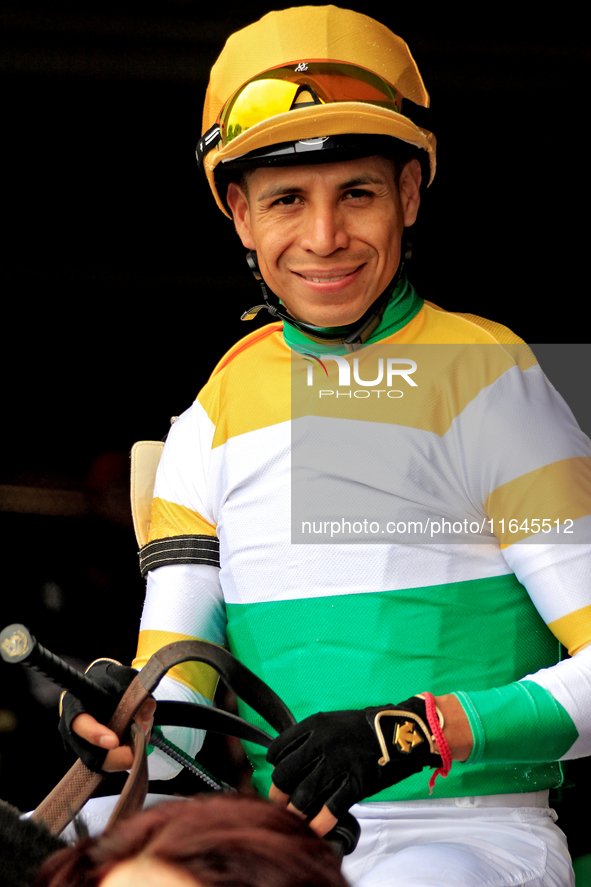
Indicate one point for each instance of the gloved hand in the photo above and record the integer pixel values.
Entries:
(339, 758)
(115, 679)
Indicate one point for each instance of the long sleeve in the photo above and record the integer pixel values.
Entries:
(536, 489)
(183, 594)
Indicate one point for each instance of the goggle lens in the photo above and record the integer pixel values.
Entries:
(292, 87)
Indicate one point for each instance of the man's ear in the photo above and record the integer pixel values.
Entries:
(238, 203)
(409, 186)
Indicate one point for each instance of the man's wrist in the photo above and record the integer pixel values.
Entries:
(457, 730)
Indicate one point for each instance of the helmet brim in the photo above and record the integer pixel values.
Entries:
(340, 118)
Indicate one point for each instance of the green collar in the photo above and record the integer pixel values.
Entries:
(400, 310)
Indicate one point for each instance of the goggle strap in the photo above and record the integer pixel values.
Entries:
(207, 141)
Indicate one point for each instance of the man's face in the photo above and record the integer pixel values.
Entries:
(327, 236)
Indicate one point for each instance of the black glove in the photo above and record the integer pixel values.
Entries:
(341, 757)
(112, 677)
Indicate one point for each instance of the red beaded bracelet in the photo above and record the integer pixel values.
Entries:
(443, 747)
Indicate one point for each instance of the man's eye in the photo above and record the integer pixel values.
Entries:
(288, 200)
(357, 193)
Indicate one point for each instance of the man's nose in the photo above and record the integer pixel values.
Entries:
(325, 230)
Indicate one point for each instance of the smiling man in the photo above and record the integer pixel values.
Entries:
(328, 237)
(450, 515)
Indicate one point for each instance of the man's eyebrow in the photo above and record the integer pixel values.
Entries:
(281, 190)
(364, 179)
(278, 191)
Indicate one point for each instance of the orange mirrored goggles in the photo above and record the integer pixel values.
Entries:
(292, 87)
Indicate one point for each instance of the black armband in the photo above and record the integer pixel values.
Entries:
(180, 550)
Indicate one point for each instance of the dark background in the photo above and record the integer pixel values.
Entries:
(122, 284)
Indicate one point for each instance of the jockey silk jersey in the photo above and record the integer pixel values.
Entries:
(412, 516)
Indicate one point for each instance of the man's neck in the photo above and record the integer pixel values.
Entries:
(402, 306)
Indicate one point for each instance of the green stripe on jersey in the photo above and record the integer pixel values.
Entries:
(355, 650)
(519, 722)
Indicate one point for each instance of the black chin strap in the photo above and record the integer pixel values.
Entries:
(354, 335)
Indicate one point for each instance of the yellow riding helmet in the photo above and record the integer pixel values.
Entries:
(297, 77)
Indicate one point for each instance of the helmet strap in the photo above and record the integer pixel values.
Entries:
(354, 334)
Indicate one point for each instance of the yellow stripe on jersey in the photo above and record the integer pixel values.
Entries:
(499, 333)
(260, 363)
(436, 326)
(256, 386)
(247, 342)
(196, 675)
(401, 384)
(170, 519)
(573, 630)
(559, 491)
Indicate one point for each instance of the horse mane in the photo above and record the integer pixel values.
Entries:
(24, 845)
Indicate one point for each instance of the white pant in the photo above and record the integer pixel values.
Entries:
(494, 841)
(96, 813)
